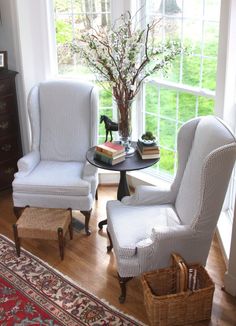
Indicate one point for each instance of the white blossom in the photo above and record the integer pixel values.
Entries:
(124, 55)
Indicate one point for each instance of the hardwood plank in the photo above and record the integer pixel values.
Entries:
(87, 262)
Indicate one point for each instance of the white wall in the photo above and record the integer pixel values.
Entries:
(24, 34)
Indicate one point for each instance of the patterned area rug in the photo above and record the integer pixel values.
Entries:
(33, 293)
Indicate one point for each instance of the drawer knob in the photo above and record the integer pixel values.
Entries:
(3, 106)
(6, 147)
(4, 125)
(9, 171)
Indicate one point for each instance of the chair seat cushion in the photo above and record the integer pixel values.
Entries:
(130, 224)
(54, 178)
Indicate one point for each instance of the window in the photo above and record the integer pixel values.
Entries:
(72, 17)
(188, 90)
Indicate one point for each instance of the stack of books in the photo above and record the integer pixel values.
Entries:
(148, 151)
(110, 153)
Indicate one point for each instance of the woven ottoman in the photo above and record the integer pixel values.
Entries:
(43, 223)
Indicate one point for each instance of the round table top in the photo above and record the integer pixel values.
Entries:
(131, 163)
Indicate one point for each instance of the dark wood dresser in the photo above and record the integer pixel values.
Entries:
(10, 141)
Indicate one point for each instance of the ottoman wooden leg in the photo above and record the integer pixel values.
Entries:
(71, 230)
(61, 242)
(17, 240)
(70, 225)
(18, 211)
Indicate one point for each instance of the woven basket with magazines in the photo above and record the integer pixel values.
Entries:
(179, 295)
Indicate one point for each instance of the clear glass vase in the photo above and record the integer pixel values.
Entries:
(124, 118)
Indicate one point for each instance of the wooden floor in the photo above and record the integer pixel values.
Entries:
(87, 262)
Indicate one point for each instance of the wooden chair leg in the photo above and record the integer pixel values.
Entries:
(61, 242)
(122, 282)
(96, 194)
(17, 240)
(109, 247)
(87, 215)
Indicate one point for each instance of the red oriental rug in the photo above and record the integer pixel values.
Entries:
(33, 293)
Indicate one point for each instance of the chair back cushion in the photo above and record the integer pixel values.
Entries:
(65, 120)
(211, 136)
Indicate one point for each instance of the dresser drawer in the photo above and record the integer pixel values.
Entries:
(7, 170)
(8, 148)
(6, 86)
(7, 125)
(7, 104)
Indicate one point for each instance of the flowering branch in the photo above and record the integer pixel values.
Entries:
(124, 56)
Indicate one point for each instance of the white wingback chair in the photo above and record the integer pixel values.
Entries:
(148, 226)
(64, 117)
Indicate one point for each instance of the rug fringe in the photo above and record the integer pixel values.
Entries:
(75, 283)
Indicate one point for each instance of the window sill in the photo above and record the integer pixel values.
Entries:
(134, 178)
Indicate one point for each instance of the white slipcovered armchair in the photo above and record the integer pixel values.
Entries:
(63, 116)
(148, 226)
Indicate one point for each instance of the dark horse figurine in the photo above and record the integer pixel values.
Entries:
(109, 125)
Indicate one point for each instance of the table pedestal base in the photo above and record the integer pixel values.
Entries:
(123, 190)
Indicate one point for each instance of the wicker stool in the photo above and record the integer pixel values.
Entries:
(43, 223)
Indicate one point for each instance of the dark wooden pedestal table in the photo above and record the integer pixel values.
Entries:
(131, 163)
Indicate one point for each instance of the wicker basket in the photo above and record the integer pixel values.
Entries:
(172, 297)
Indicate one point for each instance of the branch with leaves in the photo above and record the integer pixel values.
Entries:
(125, 55)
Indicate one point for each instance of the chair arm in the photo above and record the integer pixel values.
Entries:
(155, 252)
(90, 174)
(178, 232)
(146, 255)
(150, 195)
(27, 163)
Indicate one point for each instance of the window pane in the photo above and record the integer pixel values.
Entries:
(193, 8)
(168, 103)
(191, 70)
(71, 19)
(173, 73)
(211, 34)
(209, 74)
(192, 35)
(167, 133)
(205, 106)
(187, 107)
(151, 123)
(105, 98)
(212, 9)
(151, 98)
(166, 163)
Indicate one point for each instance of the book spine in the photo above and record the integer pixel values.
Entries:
(148, 150)
(105, 151)
(107, 156)
(102, 158)
(147, 147)
(148, 156)
(113, 146)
